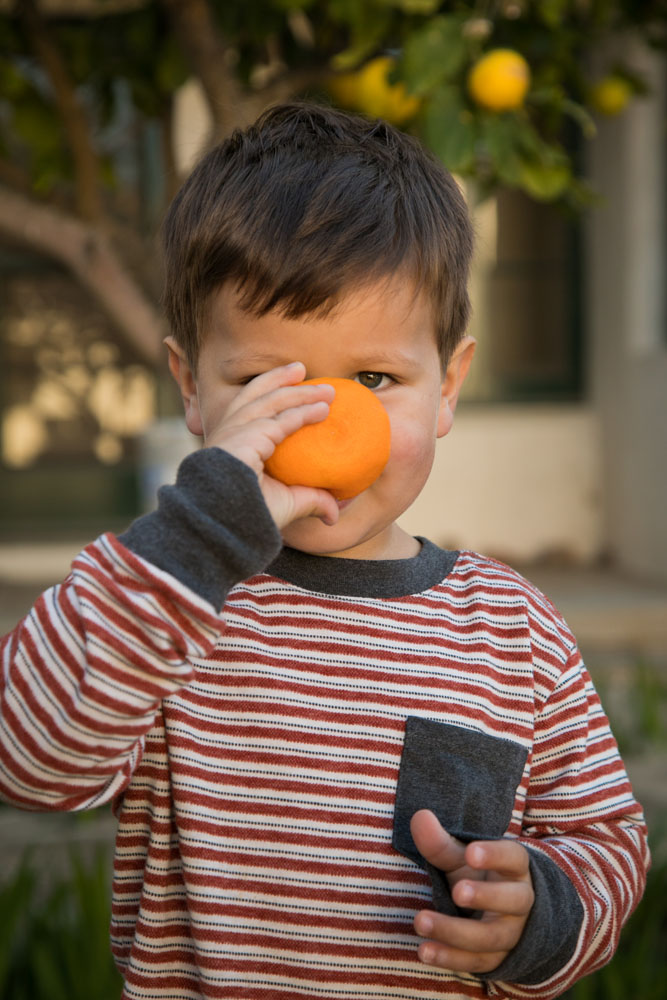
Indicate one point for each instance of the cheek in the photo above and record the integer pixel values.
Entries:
(413, 444)
(213, 408)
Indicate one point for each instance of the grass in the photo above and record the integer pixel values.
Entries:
(637, 706)
(54, 942)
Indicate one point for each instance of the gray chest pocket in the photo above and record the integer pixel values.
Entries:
(468, 779)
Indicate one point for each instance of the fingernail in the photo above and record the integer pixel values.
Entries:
(477, 856)
(427, 954)
(424, 924)
(294, 364)
(465, 893)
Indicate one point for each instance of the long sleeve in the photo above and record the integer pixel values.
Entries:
(83, 675)
(573, 806)
(587, 840)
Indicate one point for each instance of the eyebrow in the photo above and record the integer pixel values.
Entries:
(363, 362)
(254, 359)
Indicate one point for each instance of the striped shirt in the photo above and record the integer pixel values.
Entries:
(264, 761)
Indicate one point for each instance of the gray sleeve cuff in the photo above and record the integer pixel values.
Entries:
(211, 529)
(552, 929)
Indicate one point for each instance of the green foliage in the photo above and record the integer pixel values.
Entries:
(434, 54)
(533, 147)
(54, 940)
(640, 721)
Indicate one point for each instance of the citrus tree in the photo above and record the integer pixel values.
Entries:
(502, 91)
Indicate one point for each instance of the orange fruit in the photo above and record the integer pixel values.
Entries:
(499, 80)
(345, 452)
(611, 94)
(368, 90)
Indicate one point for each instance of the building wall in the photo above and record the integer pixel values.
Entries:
(627, 281)
(517, 482)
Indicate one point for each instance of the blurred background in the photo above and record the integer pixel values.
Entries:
(553, 116)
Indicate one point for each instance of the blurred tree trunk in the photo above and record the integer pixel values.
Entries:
(87, 252)
(72, 114)
(107, 252)
(211, 58)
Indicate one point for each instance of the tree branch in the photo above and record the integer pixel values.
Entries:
(89, 255)
(231, 104)
(206, 50)
(86, 164)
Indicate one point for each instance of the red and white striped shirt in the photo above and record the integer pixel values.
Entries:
(254, 756)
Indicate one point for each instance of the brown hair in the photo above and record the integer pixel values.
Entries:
(303, 206)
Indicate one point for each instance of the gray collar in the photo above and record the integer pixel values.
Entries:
(365, 577)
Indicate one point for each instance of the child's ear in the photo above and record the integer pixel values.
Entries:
(185, 379)
(454, 377)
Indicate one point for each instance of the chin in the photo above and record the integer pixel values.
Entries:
(312, 536)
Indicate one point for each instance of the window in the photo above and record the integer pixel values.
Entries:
(526, 302)
(73, 400)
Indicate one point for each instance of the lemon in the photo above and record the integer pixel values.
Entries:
(611, 94)
(368, 89)
(499, 80)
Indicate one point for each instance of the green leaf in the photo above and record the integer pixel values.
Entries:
(435, 53)
(13, 84)
(414, 6)
(37, 125)
(545, 170)
(552, 12)
(579, 114)
(368, 26)
(501, 141)
(553, 96)
(15, 899)
(450, 130)
(544, 181)
(292, 4)
(171, 70)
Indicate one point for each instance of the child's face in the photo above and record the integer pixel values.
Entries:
(382, 336)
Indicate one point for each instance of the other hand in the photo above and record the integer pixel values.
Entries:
(489, 876)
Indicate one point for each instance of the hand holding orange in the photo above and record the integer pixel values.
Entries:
(345, 452)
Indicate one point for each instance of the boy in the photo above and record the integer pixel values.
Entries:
(320, 734)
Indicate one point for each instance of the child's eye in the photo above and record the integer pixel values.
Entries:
(373, 380)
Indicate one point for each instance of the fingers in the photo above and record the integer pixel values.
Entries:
(291, 503)
(467, 945)
(490, 877)
(434, 843)
(275, 392)
(266, 411)
(276, 413)
(268, 381)
(450, 949)
(513, 898)
(504, 858)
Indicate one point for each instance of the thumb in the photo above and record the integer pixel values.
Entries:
(309, 502)
(433, 842)
(303, 501)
